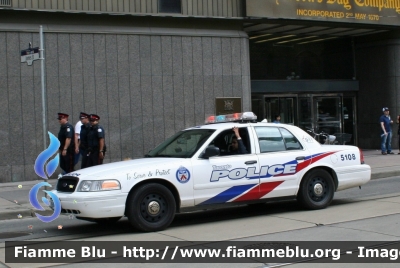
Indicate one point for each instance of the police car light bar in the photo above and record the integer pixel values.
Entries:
(246, 116)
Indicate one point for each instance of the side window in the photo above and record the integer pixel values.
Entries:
(224, 142)
(244, 134)
(291, 142)
(270, 139)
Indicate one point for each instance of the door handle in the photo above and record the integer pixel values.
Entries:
(300, 158)
(250, 162)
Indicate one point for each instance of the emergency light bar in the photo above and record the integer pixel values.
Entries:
(246, 116)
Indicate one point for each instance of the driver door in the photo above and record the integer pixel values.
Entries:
(227, 178)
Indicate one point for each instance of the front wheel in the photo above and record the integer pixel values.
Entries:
(151, 207)
(316, 190)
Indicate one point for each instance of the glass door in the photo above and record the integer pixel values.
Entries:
(287, 108)
(327, 114)
(306, 114)
(349, 122)
(271, 108)
(334, 114)
(284, 107)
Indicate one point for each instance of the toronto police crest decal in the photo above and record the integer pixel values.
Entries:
(183, 175)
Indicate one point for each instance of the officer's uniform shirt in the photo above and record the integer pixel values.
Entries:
(67, 131)
(78, 128)
(83, 143)
(96, 132)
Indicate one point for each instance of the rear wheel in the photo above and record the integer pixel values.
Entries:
(316, 190)
(151, 207)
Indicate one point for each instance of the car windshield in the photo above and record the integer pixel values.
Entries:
(183, 144)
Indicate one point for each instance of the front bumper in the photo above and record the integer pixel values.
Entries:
(103, 204)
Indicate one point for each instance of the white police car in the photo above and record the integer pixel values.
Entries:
(195, 168)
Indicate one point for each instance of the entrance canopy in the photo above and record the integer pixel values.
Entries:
(288, 22)
(288, 33)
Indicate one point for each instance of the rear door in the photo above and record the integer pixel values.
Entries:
(281, 157)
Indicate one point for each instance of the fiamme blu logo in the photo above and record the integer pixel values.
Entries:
(44, 167)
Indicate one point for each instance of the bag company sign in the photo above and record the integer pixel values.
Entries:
(382, 12)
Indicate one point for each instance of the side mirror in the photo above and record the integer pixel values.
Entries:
(211, 151)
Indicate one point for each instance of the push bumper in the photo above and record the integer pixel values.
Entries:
(93, 204)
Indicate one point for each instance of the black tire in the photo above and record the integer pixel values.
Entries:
(316, 190)
(151, 207)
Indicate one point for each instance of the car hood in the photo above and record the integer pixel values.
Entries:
(112, 169)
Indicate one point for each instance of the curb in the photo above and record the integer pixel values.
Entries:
(13, 214)
(24, 212)
(387, 174)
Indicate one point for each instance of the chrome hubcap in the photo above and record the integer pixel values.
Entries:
(153, 208)
(318, 189)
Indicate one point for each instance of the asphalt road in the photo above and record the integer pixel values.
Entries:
(32, 228)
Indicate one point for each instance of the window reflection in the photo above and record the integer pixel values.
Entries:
(169, 6)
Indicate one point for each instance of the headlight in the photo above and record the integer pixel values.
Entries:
(95, 186)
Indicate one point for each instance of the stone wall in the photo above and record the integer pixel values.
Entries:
(145, 86)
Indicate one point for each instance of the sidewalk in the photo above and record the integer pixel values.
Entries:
(14, 200)
(382, 166)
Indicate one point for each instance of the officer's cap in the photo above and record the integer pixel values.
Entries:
(83, 115)
(385, 109)
(62, 116)
(94, 117)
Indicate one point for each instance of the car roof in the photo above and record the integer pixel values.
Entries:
(228, 125)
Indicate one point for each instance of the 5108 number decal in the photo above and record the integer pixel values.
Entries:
(345, 157)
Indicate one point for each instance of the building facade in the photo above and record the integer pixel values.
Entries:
(151, 68)
(327, 65)
(146, 76)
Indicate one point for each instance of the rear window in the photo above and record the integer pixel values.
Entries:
(274, 139)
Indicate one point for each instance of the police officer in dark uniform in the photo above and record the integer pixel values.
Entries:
(96, 142)
(66, 136)
(81, 144)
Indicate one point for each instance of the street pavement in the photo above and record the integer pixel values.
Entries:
(14, 196)
(373, 219)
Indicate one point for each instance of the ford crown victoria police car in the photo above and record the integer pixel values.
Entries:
(195, 168)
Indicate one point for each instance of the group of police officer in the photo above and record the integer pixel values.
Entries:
(90, 144)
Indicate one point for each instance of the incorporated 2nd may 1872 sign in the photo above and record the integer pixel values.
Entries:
(381, 12)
